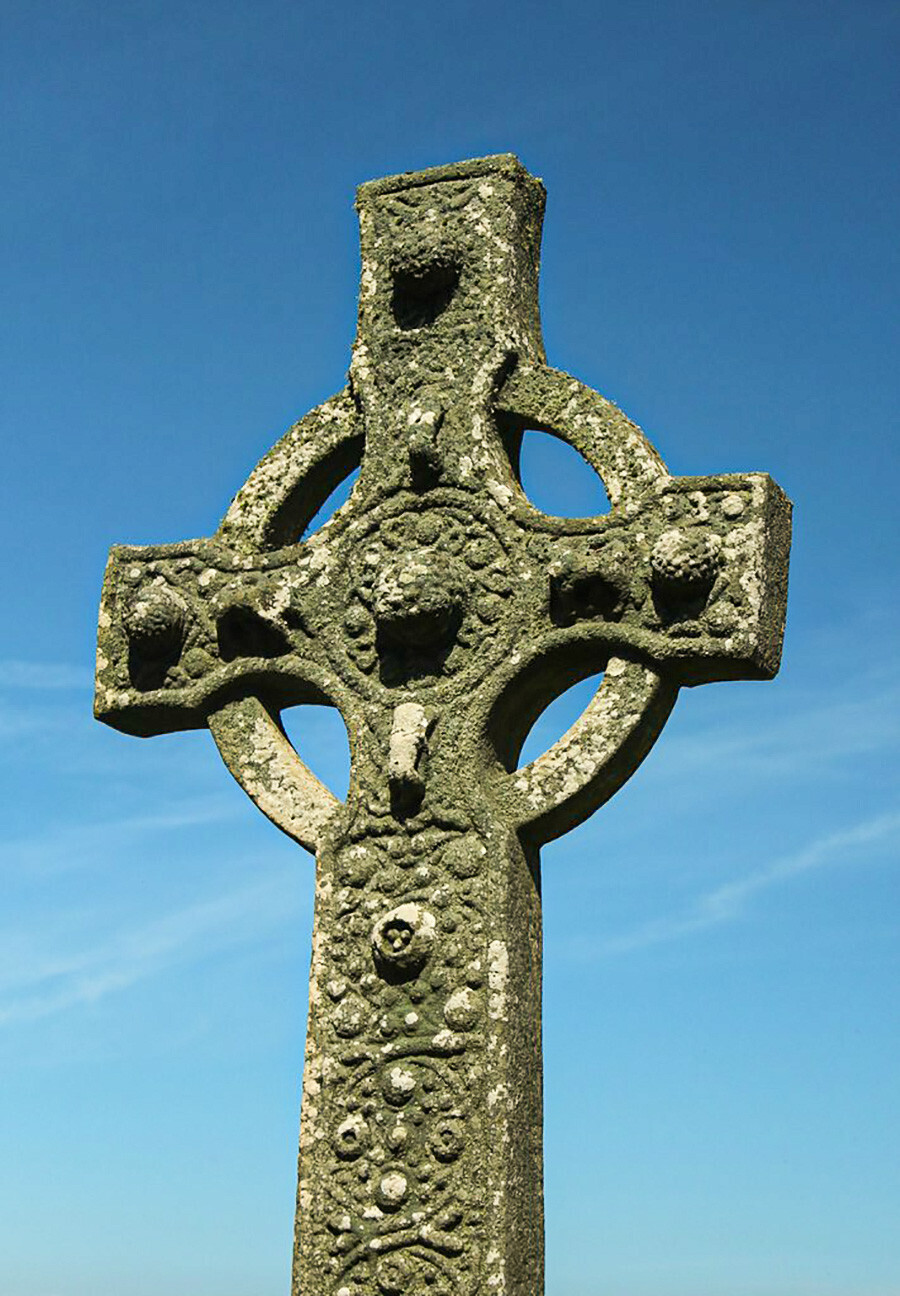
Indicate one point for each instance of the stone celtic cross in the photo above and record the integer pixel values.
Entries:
(440, 612)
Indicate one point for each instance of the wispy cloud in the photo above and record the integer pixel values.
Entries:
(38, 982)
(17, 674)
(61, 847)
(818, 732)
(21, 720)
(726, 903)
(42, 700)
(38, 699)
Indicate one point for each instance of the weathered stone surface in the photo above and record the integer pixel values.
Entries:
(440, 612)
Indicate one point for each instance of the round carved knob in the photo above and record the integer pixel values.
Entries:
(418, 598)
(447, 1140)
(398, 1086)
(392, 1190)
(397, 1273)
(155, 620)
(462, 1009)
(351, 1138)
(685, 564)
(349, 1017)
(402, 939)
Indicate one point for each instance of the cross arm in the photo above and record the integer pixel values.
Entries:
(688, 571)
(696, 583)
(226, 632)
(684, 582)
(185, 628)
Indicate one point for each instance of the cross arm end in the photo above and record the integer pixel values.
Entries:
(143, 623)
(740, 524)
(184, 628)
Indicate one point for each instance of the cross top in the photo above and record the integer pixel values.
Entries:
(440, 612)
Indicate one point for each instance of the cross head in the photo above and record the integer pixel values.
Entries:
(440, 612)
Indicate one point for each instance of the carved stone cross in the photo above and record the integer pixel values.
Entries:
(440, 612)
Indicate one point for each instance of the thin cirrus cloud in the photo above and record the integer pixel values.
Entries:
(38, 700)
(18, 674)
(39, 980)
(802, 739)
(851, 846)
(61, 847)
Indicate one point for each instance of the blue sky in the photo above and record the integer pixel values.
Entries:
(179, 265)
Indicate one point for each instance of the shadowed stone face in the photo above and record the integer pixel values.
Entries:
(440, 612)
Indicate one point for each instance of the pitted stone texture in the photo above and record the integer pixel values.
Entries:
(440, 612)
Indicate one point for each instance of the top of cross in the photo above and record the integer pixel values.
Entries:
(438, 601)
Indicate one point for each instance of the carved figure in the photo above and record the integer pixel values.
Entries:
(439, 611)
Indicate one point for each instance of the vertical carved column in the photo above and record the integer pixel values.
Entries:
(420, 1160)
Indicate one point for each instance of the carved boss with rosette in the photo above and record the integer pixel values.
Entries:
(440, 612)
